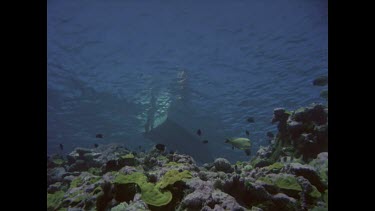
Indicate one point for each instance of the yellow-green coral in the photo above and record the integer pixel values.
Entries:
(95, 171)
(135, 177)
(285, 182)
(150, 193)
(288, 183)
(79, 197)
(275, 166)
(322, 169)
(255, 161)
(74, 193)
(315, 193)
(288, 112)
(240, 163)
(173, 164)
(302, 109)
(153, 196)
(124, 206)
(58, 161)
(160, 157)
(127, 156)
(324, 174)
(266, 180)
(248, 168)
(93, 180)
(120, 207)
(277, 152)
(173, 176)
(325, 197)
(54, 200)
(97, 190)
(76, 182)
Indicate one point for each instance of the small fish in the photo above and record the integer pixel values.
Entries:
(99, 135)
(139, 147)
(171, 152)
(96, 145)
(250, 119)
(61, 147)
(199, 132)
(270, 135)
(320, 81)
(247, 132)
(248, 152)
(240, 143)
(160, 147)
(235, 167)
(205, 141)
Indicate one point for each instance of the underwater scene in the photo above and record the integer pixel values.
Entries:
(187, 105)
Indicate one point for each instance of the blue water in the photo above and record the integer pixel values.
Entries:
(241, 58)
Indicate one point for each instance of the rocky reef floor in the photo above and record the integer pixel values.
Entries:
(289, 174)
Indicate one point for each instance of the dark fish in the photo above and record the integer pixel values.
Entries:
(171, 152)
(99, 135)
(235, 167)
(139, 147)
(248, 152)
(199, 132)
(96, 145)
(320, 81)
(250, 119)
(160, 147)
(61, 147)
(205, 141)
(247, 133)
(270, 135)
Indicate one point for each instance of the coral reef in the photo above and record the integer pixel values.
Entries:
(289, 174)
